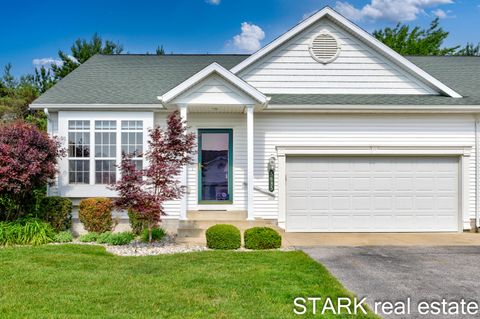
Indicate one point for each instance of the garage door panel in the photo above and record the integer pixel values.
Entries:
(298, 184)
(361, 203)
(320, 222)
(319, 184)
(340, 203)
(372, 194)
(319, 202)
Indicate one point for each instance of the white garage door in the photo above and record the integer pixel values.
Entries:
(372, 194)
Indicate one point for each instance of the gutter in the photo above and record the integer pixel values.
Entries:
(97, 107)
(361, 108)
(477, 177)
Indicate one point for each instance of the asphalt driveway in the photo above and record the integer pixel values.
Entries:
(397, 273)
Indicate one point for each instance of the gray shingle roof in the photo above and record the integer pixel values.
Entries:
(129, 79)
(139, 79)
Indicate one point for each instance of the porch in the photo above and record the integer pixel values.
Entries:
(192, 229)
(223, 177)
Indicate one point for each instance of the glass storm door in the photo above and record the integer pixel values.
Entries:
(215, 166)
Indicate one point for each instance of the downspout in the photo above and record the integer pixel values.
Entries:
(45, 110)
(49, 129)
(474, 225)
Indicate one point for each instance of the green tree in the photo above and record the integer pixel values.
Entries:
(43, 79)
(16, 95)
(470, 50)
(81, 51)
(160, 50)
(416, 41)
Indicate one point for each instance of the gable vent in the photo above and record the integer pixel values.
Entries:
(324, 48)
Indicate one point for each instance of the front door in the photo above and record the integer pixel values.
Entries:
(215, 166)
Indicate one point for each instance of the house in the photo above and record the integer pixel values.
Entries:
(360, 138)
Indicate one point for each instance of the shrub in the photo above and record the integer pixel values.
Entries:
(88, 237)
(57, 211)
(28, 160)
(124, 238)
(103, 238)
(30, 231)
(262, 238)
(96, 214)
(136, 224)
(157, 234)
(223, 236)
(63, 237)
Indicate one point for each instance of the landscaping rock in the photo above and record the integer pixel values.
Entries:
(142, 249)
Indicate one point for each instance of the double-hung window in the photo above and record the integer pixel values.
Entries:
(132, 141)
(79, 152)
(105, 152)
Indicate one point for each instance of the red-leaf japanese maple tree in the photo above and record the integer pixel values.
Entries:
(28, 159)
(145, 191)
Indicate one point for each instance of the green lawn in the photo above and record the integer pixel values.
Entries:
(74, 281)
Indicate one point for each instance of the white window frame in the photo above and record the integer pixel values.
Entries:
(133, 130)
(75, 158)
(92, 189)
(103, 158)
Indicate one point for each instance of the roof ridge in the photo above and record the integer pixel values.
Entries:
(442, 56)
(175, 54)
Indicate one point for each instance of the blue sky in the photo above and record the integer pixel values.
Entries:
(33, 31)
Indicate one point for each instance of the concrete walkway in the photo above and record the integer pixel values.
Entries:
(380, 239)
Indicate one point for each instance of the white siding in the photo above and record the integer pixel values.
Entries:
(213, 90)
(52, 129)
(273, 130)
(359, 69)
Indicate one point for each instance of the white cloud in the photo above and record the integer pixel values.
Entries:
(71, 57)
(394, 10)
(249, 39)
(213, 2)
(440, 13)
(46, 62)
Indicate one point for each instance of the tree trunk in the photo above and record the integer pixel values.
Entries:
(150, 233)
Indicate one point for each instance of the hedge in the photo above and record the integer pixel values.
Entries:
(96, 214)
(262, 238)
(223, 236)
(57, 211)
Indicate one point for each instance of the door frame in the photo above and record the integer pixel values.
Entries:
(230, 166)
(461, 151)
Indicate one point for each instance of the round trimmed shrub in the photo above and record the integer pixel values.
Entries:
(262, 238)
(57, 211)
(223, 236)
(96, 214)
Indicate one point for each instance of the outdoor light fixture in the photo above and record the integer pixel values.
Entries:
(271, 174)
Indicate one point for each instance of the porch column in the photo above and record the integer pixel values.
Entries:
(250, 162)
(184, 176)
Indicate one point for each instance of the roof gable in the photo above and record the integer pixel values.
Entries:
(210, 85)
(382, 50)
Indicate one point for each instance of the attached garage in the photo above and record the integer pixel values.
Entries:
(372, 193)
